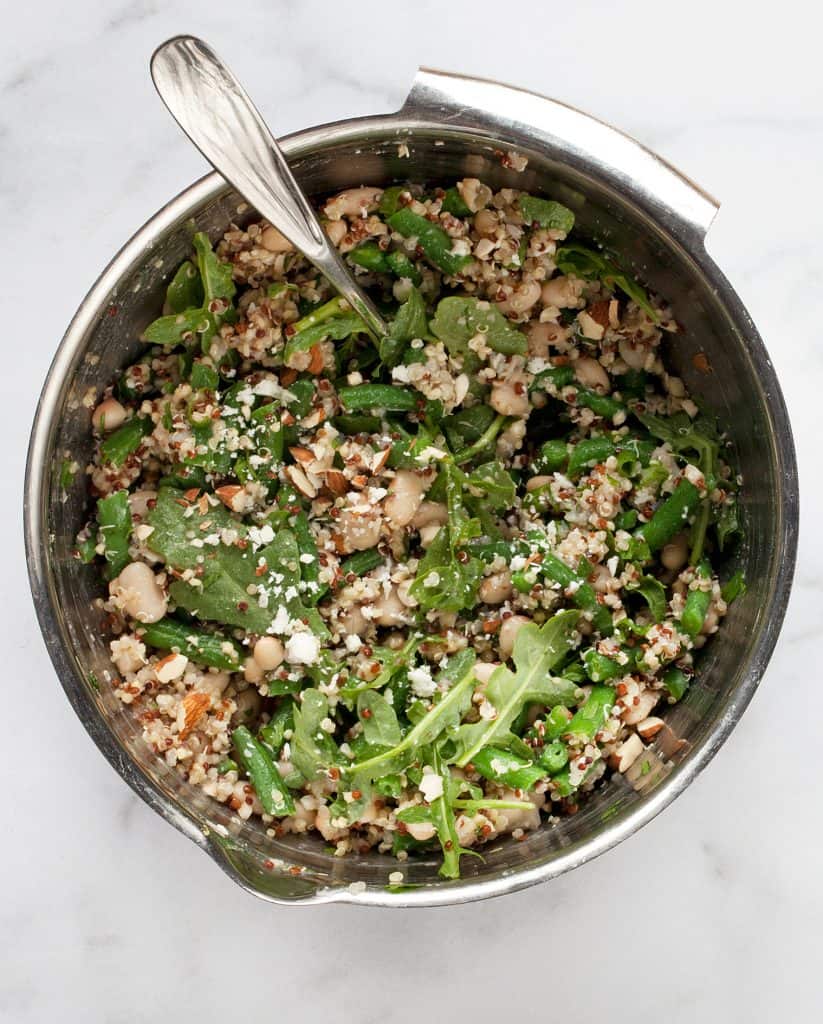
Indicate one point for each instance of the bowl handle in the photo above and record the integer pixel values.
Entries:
(575, 138)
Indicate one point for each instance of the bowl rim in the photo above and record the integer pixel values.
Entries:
(36, 489)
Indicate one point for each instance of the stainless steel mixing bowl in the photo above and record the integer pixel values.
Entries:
(622, 194)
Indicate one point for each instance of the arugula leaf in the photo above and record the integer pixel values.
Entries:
(185, 290)
(584, 262)
(546, 212)
(378, 718)
(216, 277)
(458, 319)
(312, 749)
(442, 817)
(494, 484)
(443, 717)
(410, 323)
(335, 328)
(395, 661)
(537, 650)
(446, 578)
(654, 593)
(172, 329)
(220, 594)
(728, 524)
(733, 588)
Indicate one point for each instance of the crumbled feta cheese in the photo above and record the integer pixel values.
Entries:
(302, 649)
(422, 684)
(431, 786)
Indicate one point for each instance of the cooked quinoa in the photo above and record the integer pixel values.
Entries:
(417, 592)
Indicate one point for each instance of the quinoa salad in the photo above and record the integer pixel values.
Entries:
(417, 592)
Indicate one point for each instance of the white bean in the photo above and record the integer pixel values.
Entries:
(485, 223)
(405, 497)
(269, 653)
(474, 193)
(252, 672)
(536, 482)
(139, 504)
(496, 589)
(632, 353)
(353, 202)
(275, 241)
(509, 398)
(521, 299)
(428, 533)
(430, 512)
(247, 707)
(563, 292)
(646, 702)
(353, 621)
(108, 416)
(542, 335)
(420, 830)
(389, 610)
(508, 633)
(483, 670)
(336, 230)
(591, 374)
(675, 554)
(137, 592)
(359, 528)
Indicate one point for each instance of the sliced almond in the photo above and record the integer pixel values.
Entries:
(301, 481)
(650, 727)
(627, 753)
(232, 496)
(635, 713)
(288, 377)
(302, 455)
(171, 667)
(379, 461)
(317, 361)
(195, 704)
(336, 482)
(599, 312)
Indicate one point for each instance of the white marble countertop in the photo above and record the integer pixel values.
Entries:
(710, 913)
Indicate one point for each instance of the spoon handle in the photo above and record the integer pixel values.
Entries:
(213, 109)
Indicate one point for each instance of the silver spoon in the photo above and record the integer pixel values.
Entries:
(213, 109)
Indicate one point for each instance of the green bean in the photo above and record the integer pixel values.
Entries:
(453, 203)
(671, 516)
(589, 453)
(379, 396)
(228, 764)
(261, 769)
(501, 766)
(697, 603)
(554, 756)
(356, 424)
(114, 518)
(599, 667)
(600, 405)
(357, 564)
(389, 200)
(432, 239)
(212, 649)
(370, 256)
(733, 588)
(126, 439)
(553, 457)
(592, 716)
(556, 723)
(560, 376)
(401, 266)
